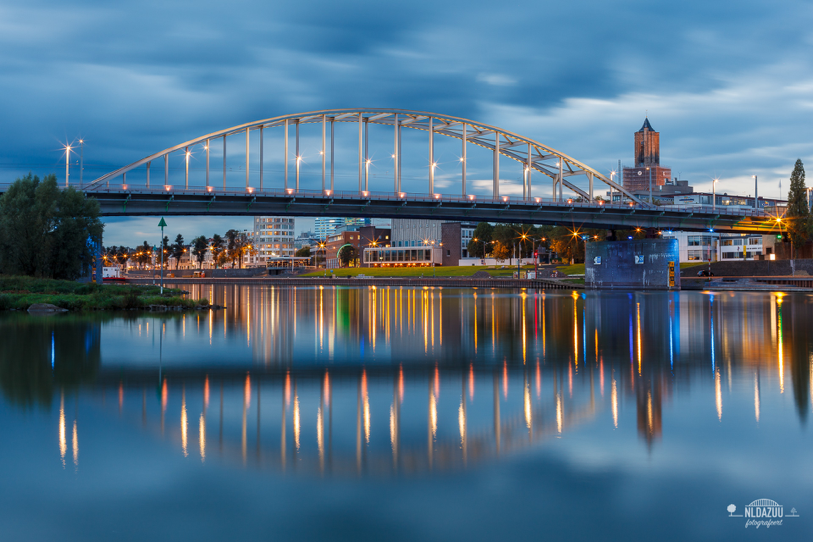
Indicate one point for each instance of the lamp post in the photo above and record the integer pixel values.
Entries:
(756, 193)
(373, 244)
(533, 251)
(484, 246)
(67, 164)
(612, 175)
(81, 161)
(367, 174)
(426, 242)
(650, 184)
(162, 225)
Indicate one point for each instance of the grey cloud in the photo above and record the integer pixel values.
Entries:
(137, 78)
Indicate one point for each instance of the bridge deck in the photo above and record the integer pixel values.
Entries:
(127, 201)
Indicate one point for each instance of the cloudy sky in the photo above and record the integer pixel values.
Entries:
(728, 86)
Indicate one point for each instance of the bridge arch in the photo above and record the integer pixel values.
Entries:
(558, 167)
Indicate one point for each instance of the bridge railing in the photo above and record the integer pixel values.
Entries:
(200, 190)
(423, 197)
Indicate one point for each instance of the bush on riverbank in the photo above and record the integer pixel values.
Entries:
(21, 292)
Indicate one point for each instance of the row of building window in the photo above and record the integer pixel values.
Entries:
(397, 255)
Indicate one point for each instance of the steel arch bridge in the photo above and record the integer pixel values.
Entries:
(286, 196)
(535, 156)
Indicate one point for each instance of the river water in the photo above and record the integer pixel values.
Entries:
(344, 413)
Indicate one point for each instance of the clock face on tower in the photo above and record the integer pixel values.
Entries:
(640, 173)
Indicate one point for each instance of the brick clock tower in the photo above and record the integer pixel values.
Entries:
(647, 156)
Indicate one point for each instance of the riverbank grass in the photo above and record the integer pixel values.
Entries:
(19, 293)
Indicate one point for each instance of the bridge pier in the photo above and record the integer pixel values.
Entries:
(648, 264)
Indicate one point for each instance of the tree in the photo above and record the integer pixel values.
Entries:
(529, 237)
(167, 250)
(199, 247)
(231, 238)
(239, 247)
(122, 255)
(347, 255)
(217, 248)
(480, 238)
(222, 258)
(304, 252)
(178, 249)
(797, 216)
(46, 232)
(144, 254)
(501, 251)
(505, 233)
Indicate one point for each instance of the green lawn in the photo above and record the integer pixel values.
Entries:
(450, 271)
(575, 269)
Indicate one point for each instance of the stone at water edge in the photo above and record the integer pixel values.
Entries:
(45, 307)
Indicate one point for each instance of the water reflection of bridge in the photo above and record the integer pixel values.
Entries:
(604, 350)
(351, 422)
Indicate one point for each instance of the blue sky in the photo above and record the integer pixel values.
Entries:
(728, 86)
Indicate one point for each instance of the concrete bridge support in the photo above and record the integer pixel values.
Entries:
(649, 264)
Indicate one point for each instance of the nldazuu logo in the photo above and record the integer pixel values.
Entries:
(762, 513)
